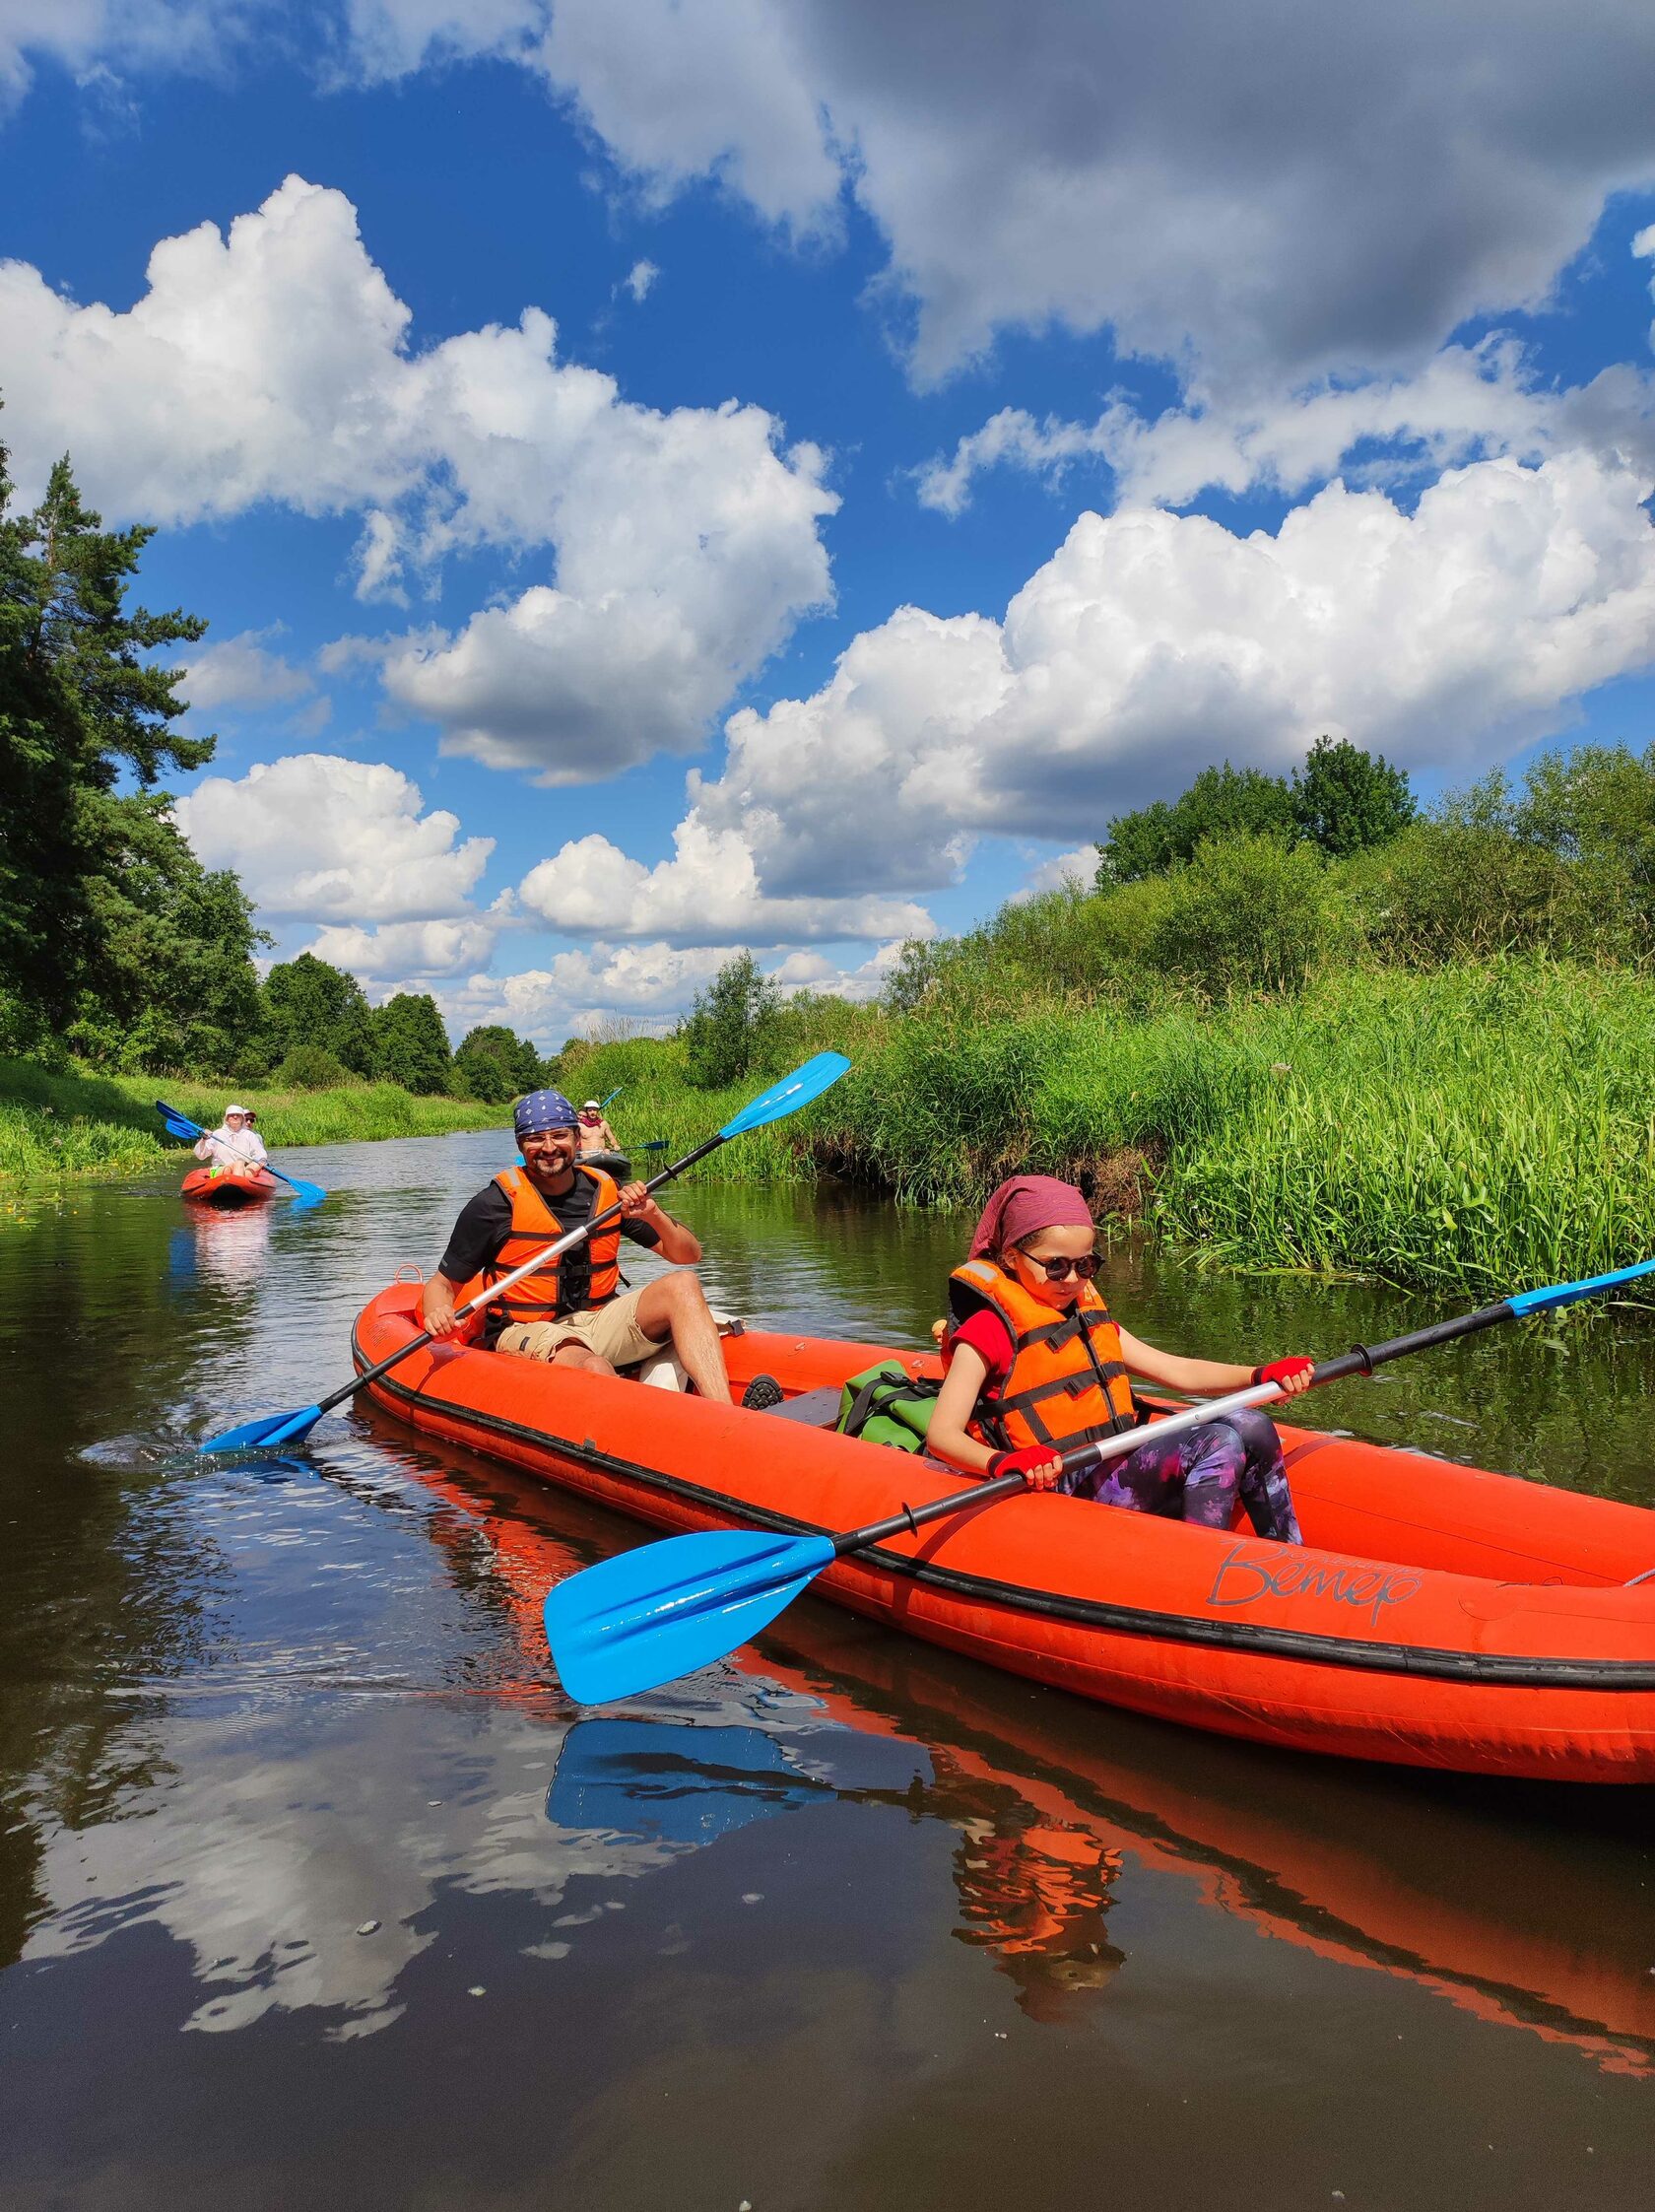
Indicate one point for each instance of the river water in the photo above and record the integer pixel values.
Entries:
(314, 1890)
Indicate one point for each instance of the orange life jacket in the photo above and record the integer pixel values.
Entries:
(543, 1294)
(1067, 1383)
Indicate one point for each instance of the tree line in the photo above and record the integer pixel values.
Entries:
(117, 945)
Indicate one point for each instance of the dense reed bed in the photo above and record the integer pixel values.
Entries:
(1481, 1126)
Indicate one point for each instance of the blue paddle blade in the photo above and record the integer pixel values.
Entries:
(790, 1094)
(686, 1787)
(271, 1428)
(1566, 1293)
(651, 1615)
(305, 1194)
(178, 1124)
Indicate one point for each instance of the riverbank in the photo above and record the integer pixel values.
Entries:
(80, 1124)
(1473, 1127)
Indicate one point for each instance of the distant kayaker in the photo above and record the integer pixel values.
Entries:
(233, 1139)
(596, 1135)
(1037, 1366)
(572, 1313)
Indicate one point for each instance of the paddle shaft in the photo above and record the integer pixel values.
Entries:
(1362, 1358)
(507, 1281)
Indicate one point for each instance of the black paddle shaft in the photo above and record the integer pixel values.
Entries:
(1362, 1358)
(598, 1221)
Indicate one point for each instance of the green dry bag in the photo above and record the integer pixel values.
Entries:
(884, 1404)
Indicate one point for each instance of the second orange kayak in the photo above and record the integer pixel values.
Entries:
(223, 1184)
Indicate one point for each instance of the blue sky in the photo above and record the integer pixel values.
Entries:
(1193, 392)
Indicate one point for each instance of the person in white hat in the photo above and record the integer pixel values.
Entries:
(594, 1131)
(235, 1138)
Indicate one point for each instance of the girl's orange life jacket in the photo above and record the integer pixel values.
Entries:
(1068, 1382)
(543, 1294)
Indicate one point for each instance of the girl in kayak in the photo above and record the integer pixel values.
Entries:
(1037, 1366)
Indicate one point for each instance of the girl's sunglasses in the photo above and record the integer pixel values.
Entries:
(1085, 1267)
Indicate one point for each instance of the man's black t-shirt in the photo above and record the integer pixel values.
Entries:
(484, 1223)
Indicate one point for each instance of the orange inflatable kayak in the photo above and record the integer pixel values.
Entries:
(1435, 1615)
(222, 1184)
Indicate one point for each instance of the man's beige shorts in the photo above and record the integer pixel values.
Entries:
(611, 1331)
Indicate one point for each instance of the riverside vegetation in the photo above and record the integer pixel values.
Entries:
(1428, 1056)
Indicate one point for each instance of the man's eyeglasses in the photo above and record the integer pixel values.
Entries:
(1085, 1267)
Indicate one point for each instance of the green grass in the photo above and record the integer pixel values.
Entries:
(76, 1124)
(1480, 1128)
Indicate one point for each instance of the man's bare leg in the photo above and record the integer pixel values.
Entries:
(674, 1308)
(572, 1354)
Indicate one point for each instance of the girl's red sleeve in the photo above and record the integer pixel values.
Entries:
(990, 1339)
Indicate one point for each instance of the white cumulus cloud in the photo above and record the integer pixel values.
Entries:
(316, 838)
(273, 363)
(244, 671)
(408, 952)
(1079, 866)
(707, 893)
(1470, 402)
(1151, 644)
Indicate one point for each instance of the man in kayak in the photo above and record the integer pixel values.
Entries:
(573, 1311)
(596, 1135)
(234, 1140)
(1036, 1364)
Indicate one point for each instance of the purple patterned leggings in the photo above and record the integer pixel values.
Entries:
(1199, 1474)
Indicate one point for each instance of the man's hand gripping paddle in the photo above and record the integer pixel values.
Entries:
(788, 1097)
(181, 1126)
(651, 1615)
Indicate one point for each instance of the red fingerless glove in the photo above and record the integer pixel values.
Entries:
(1283, 1370)
(1025, 1461)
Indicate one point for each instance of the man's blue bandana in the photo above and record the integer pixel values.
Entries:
(541, 1109)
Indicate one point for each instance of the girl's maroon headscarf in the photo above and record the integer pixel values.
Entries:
(1023, 1207)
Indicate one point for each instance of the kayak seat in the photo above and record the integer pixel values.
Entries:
(813, 1409)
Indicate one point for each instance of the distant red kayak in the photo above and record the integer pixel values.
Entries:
(223, 1184)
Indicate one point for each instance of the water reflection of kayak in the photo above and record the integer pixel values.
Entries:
(1437, 1616)
(1513, 1906)
(222, 1184)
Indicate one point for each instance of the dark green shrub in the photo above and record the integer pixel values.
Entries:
(308, 1067)
(1251, 913)
(731, 1028)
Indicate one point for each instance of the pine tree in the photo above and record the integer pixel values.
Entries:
(80, 710)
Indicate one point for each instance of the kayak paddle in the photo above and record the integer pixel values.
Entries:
(653, 1613)
(615, 1094)
(181, 1126)
(794, 1090)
